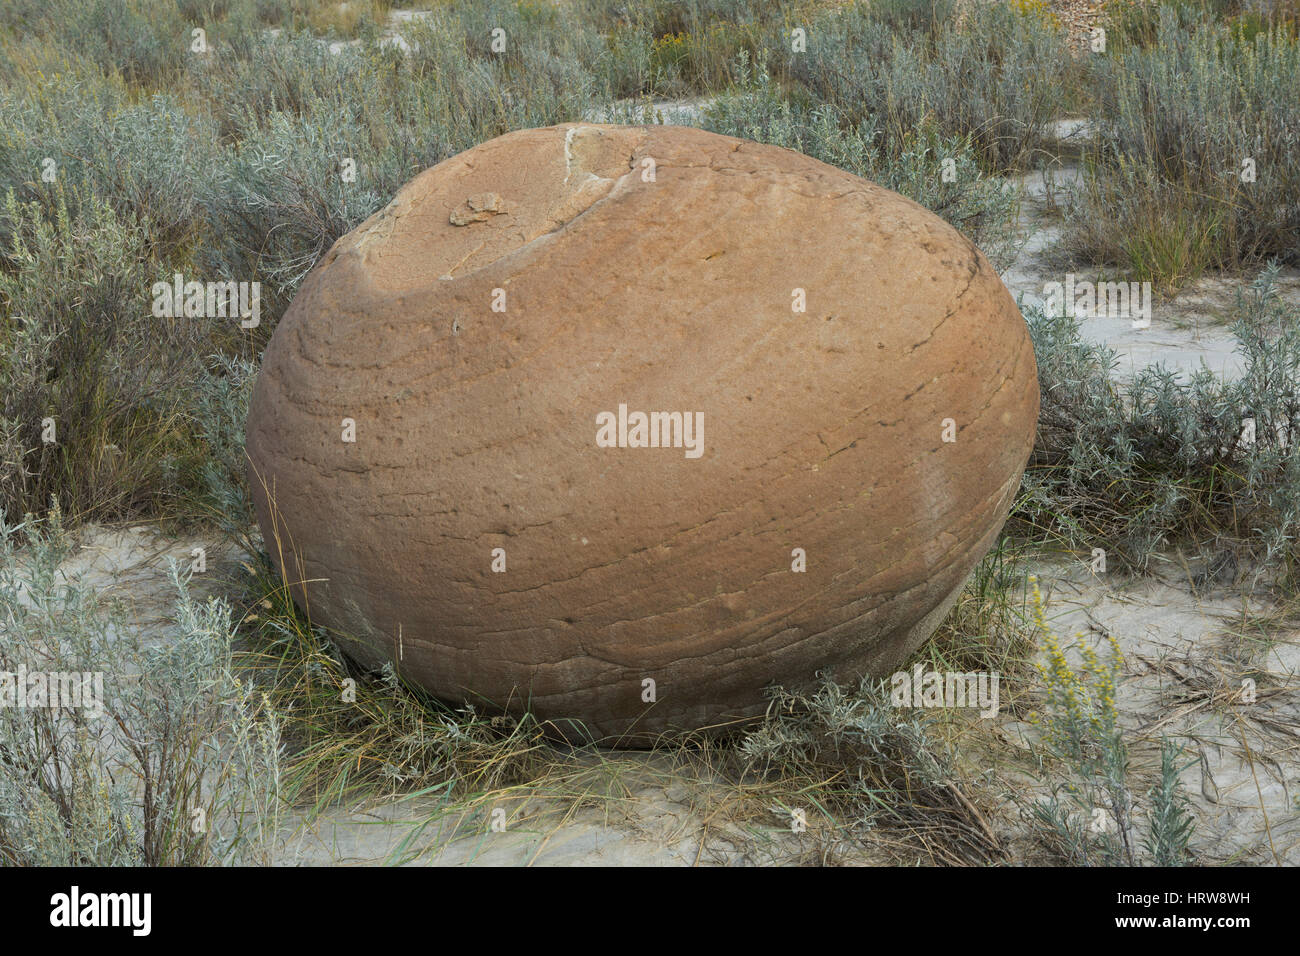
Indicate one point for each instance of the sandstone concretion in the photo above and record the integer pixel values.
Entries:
(496, 526)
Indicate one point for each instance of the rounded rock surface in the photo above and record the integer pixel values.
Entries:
(480, 331)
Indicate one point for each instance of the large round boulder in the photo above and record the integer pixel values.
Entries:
(623, 425)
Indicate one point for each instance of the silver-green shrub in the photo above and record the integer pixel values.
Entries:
(1169, 456)
(997, 80)
(146, 157)
(1196, 163)
(182, 767)
(876, 766)
(93, 385)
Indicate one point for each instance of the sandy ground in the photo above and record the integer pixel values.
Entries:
(1187, 331)
(1189, 639)
(1189, 642)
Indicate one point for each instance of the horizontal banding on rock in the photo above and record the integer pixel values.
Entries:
(652, 269)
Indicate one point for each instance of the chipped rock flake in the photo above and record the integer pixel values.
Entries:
(477, 208)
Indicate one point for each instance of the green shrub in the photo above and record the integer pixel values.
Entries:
(1136, 23)
(1137, 468)
(147, 159)
(1088, 816)
(1170, 822)
(182, 764)
(289, 74)
(278, 201)
(917, 16)
(998, 80)
(220, 405)
(1182, 126)
(146, 41)
(80, 347)
(678, 47)
(869, 766)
